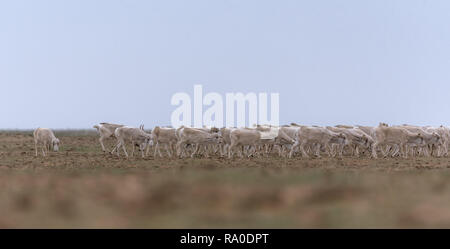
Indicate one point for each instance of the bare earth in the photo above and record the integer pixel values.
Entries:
(79, 187)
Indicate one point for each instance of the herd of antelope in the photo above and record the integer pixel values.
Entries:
(262, 140)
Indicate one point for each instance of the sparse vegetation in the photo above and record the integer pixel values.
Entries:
(80, 187)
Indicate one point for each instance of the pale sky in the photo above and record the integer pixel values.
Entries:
(74, 63)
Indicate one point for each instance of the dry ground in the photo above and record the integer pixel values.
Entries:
(79, 187)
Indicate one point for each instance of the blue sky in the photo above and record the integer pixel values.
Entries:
(71, 64)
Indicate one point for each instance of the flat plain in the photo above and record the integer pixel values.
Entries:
(80, 187)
